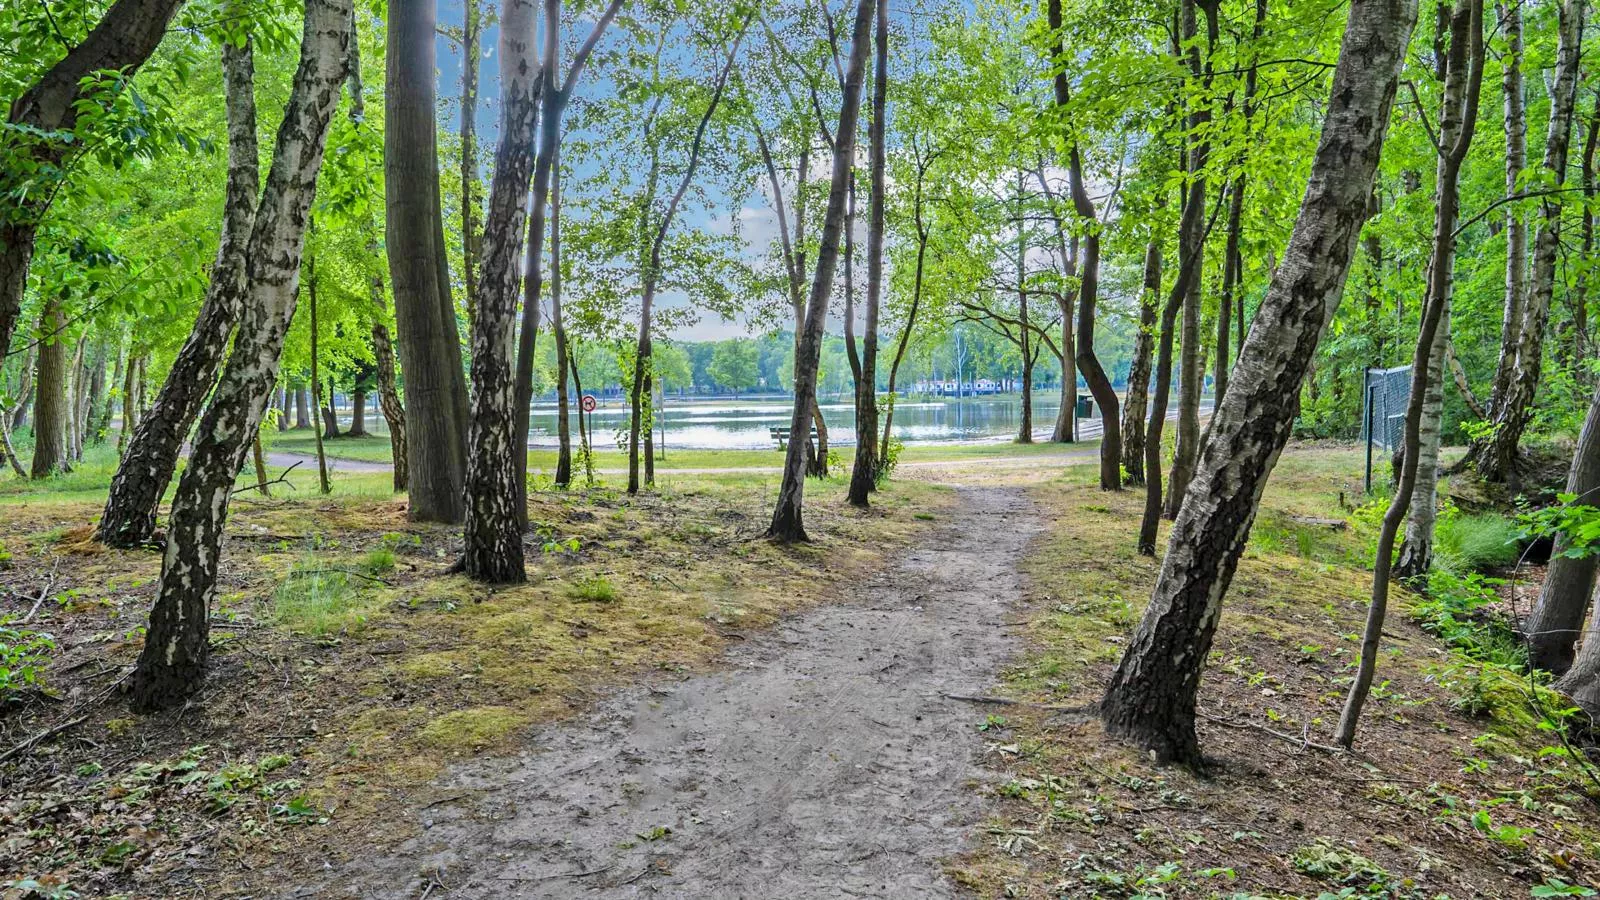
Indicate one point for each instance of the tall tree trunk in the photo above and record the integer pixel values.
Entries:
(302, 408)
(493, 528)
(331, 424)
(124, 38)
(177, 641)
(283, 408)
(558, 325)
(430, 344)
(1191, 372)
(555, 97)
(1460, 70)
(1230, 305)
(358, 412)
(864, 472)
(50, 393)
(1496, 458)
(642, 373)
(1463, 75)
(1151, 699)
(471, 34)
(19, 416)
(788, 522)
(1557, 620)
(1105, 396)
(394, 411)
(1516, 229)
(130, 404)
(129, 517)
(1133, 413)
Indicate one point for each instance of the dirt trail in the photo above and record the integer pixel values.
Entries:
(824, 762)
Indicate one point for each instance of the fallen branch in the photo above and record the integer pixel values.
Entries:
(1304, 740)
(283, 478)
(43, 592)
(1083, 709)
(45, 735)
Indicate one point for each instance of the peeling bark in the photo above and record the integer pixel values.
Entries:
(176, 645)
(129, 517)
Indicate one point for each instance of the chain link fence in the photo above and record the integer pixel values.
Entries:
(1385, 393)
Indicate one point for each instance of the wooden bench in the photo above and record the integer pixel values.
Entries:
(781, 435)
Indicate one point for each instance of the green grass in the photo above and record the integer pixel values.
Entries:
(318, 600)
(1475, 543)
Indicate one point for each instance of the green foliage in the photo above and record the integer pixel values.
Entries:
(1578, 525)
(1453, 608)
(594, 589)
(23, 655)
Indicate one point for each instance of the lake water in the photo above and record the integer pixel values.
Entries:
(743, 425)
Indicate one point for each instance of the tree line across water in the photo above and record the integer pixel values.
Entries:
(1167, 193)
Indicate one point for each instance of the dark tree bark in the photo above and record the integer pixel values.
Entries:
(922, 234)
(19, 416)
(1557, 619)
(50, 393)
(471, 35)
(1151, 699)
(394, 411)
(122, 41)
(788, 521)
(1496, 457)
(302, 408)
(864, 474)
(563, 477)
(330, 427)
(129, 517)
(430, 343)
(1191, 373)
(1133, 413)
(1105, 396)
(176, 645)
(1230, 304)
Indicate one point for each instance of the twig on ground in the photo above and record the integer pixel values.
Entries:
(44, 592)
(1304, 740)
(44, 735)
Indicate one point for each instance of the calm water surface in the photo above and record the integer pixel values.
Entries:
(743, 425)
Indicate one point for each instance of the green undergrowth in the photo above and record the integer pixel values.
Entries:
(1464, 782)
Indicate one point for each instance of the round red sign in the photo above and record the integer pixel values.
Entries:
(589, 403)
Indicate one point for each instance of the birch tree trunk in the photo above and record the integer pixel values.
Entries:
(1496, 458)
(493, 529)
(430, 343)
(1151, 699)
(1462, 71)
(864, 471)
(563, 476)
(173, 660)
(1516, 229)
(471, 34)
(129, 517)
(788, 521)
(1557, 620)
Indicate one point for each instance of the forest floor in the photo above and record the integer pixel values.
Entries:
(672, 708)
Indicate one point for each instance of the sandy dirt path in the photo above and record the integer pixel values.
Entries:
(824, 761)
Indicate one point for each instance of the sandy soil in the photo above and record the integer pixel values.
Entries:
(825, 761)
